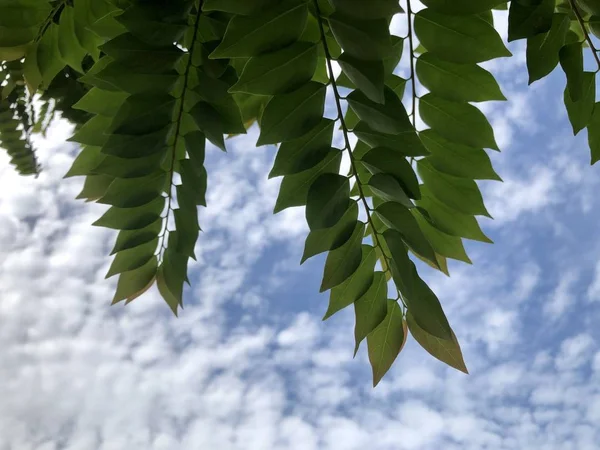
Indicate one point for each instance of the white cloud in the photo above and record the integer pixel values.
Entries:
(563, 296)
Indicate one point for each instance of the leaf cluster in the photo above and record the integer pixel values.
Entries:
(147, 84)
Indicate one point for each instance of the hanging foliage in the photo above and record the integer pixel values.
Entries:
(148, 83)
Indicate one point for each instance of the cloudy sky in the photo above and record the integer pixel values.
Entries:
(249, 365)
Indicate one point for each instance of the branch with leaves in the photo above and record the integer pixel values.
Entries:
(146, 84)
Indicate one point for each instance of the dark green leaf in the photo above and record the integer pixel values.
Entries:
(458, 82)
(386, 341)
(342, 262)
(594, 134)
(571, 61)
(268, 30)
(278, 72)
(458, 160)
(132, 218)
(368, 40)
(406, 144)
(327, 200)
(398, 217)
(304, 152)
(387, 188)
(289, 116)
(133, 192)
(319, 241)
(449, 220)
(294, 188)
(462, 7)
(370, 309)
(355, 286)
(388, 117)
(128, 239)
(460, 194)
(368, 76)
(133, 258)
(528, 18)
(458, 122)
(447, 351)
(543, 49)
(374, 9)
(135, 282)
(459, 39)
(380, 159)
(580, 112)
(421, 301)
(442, 243)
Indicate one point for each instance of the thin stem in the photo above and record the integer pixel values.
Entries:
(411, 46)
(345, 132)
(55, 10)
(585, 33)
(177, 130)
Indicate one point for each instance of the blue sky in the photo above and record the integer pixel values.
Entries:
(250, 365)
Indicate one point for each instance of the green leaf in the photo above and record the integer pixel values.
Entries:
(458, 122)
(342, 262)
(381, 159)
(143, 113)
(133, 258)
(386, 341)
(93, 131)
(571, 61)
(374, 9)
(528, 18)
(447, 351)
(70, 49)
(139, 55)
(388, 117)
(442, 243)
(136, 146)
(95, 186)
(423, 303)
(101, 102)
(458, 82)
(370, 309)
(129, 167)
(458, 160)
(405, 144)
(368, 40)
(368, 76)
(23, 13)
(594, 134)
(278, 72)
(49, 61)
(131, 218)
(294, 188)
(459, 39)
(327, 200)
(304, 152)
(319, 241)
(462, 7)
(355, 286)
(128, 239)
(387, 188)
(543, 49)
(133, 192)
(269, 30)
(449, 220)
(240, 7)
(398, 217)
(134, 283)
(460, 194)
(580, 112)
(289, 116)
(85, 162)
